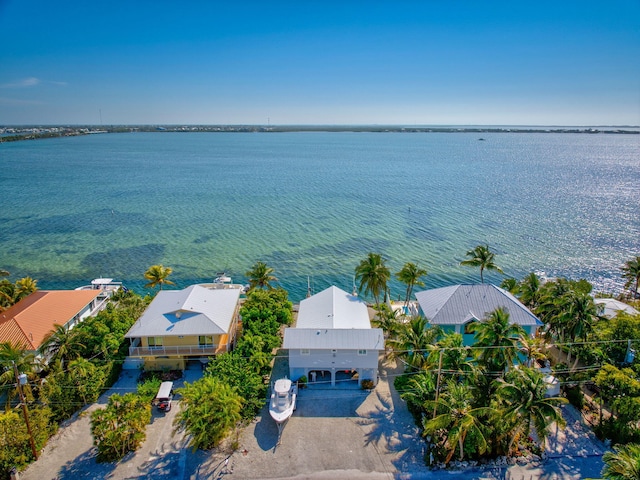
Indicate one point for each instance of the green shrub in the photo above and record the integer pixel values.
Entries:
(367, 384)
(15, 446)
(120, 428)
(210, 410)
(148, 389)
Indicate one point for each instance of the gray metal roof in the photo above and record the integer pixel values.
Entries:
(611, 307)
(457, 304)
(195, 310)
(332, 338)
(333, 308)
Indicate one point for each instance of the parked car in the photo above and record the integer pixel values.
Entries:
(164, 396)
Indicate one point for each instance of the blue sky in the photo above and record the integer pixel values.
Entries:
(439, 62)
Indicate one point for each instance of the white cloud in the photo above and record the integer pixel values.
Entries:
(30, 82)
(26, 82)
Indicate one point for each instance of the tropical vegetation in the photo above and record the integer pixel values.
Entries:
(158, 276)
(12, 293)
(372, 275)
(261, 276)
(120, 427)
(411, 275)
(623, 463)
(210, 408)
(631, 273)
(481, 256)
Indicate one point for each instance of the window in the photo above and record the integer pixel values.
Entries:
(362, 352)
(305, 351)
(205, 340)
(155, 342)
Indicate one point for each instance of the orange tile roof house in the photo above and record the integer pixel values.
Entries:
(29, 321)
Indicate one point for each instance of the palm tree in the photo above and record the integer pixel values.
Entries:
(373, 275)
(420, 389)
(411, 276)
(533, 348)
(481, 257)
(497, 340)
(387, 319)
(413, 341)
(623, 463)
(458, 419)
(510, 284)
(580, 315)
(7, 293)
(631, 272)
(209, 409)
(61, 343)
(455, 356)
(529, 290)
(10, 355)
(261, 276)
(157, 275)
(24, 287)
(523, 405)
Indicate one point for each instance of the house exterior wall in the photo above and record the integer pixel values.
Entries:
(327, 359)
(85, 313)
(160, 363)
(177, 341)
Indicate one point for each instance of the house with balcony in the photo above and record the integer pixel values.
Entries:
(182, 326)
(28, 322)
(456, 307)
(333, 343)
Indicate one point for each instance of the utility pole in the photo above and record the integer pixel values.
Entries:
(25, 412)
(435, 406)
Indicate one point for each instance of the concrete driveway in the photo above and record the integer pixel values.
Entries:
(334, 433)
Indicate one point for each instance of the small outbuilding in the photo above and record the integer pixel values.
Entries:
(333, 341)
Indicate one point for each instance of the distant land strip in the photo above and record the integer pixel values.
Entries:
(17, 133)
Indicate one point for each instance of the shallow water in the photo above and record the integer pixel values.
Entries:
(312, 204)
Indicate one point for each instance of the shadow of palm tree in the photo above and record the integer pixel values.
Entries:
(390, 428)
(162, 464)
(85, 466)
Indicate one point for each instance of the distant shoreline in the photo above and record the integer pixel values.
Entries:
(19, 133)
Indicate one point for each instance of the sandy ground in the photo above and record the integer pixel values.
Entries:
(70, 454)
(334, 433)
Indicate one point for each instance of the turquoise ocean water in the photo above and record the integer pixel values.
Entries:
(313, 204)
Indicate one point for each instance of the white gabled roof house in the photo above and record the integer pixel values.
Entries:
(333, 339)
(454, 308)
(179, 325)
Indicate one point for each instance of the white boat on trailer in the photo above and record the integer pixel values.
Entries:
(283, 402)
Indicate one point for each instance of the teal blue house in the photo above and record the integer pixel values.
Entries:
(456, 307)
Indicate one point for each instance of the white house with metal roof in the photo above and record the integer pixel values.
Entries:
(182, 325)
(333, 340)
(456, 307)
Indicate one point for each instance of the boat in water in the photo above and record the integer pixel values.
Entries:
(283, 400)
